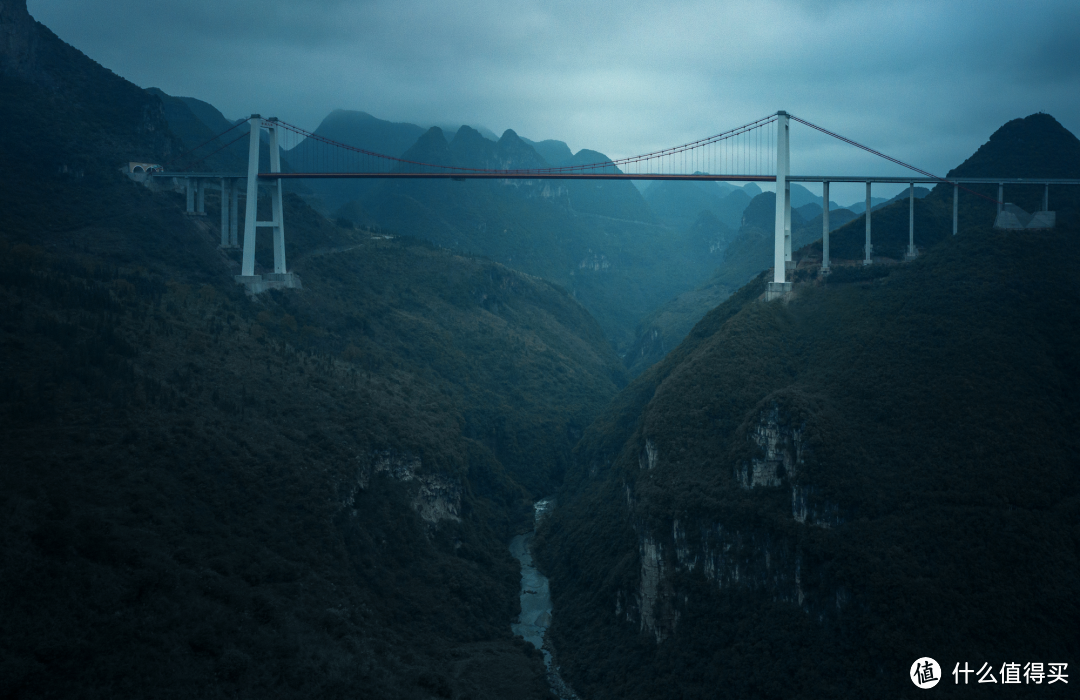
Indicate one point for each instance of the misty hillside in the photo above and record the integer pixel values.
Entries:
(610, 198)
(596, 240)
(196, 130)
(748, 253)
(356, 129)
(678, 203)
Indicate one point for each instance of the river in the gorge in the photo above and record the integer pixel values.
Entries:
(535, 615)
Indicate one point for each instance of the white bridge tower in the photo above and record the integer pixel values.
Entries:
(782, 241)
(281, 277)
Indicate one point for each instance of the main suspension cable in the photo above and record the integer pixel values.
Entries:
(891, 159)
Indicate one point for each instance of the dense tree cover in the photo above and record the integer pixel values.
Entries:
(181, 511)
(937, 404)
(190, 492)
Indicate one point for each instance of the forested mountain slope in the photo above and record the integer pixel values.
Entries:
(305, 493)
(807, 495)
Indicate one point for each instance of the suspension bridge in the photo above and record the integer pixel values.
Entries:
(758, 151)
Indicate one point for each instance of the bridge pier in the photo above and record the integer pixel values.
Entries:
(247, 268)
(912, 253)
(788, 262)
(825, 228)
(200, 187)
(1001, 196)
(226, 186)
(234, 213)
(955, 207)
(189, 186)
(278, 222)
(1046, 198)
(782, 227)
(869, 245)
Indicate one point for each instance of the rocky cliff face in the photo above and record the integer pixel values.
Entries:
(781, 452)
(656, 615)
(435, 497)
(730, 555)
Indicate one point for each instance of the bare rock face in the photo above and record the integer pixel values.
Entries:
(18, 40)
(658, 616)
(782, 452)
(648, 457)
(438, 498)
(435, 497)
(781, 460)
(730, 555)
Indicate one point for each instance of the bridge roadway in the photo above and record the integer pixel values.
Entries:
(196, 184)
(230, 189)
(515, 175)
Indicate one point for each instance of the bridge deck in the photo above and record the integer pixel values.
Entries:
(626, 176)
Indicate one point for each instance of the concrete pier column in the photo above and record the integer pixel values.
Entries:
(779, 238)
(912, 253)
(275, 195)
(789, 263)
(1001, 196)
(869, 246)
(248, 267)
(190, 185)
(234, 213)
(201, 201)
(955, 207)
(224, 213)
(1046, 198)
(825, 228)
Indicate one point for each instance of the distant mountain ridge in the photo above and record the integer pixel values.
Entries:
(598, 240)
(553, 151)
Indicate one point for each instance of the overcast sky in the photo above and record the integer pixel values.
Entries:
(926, 82)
